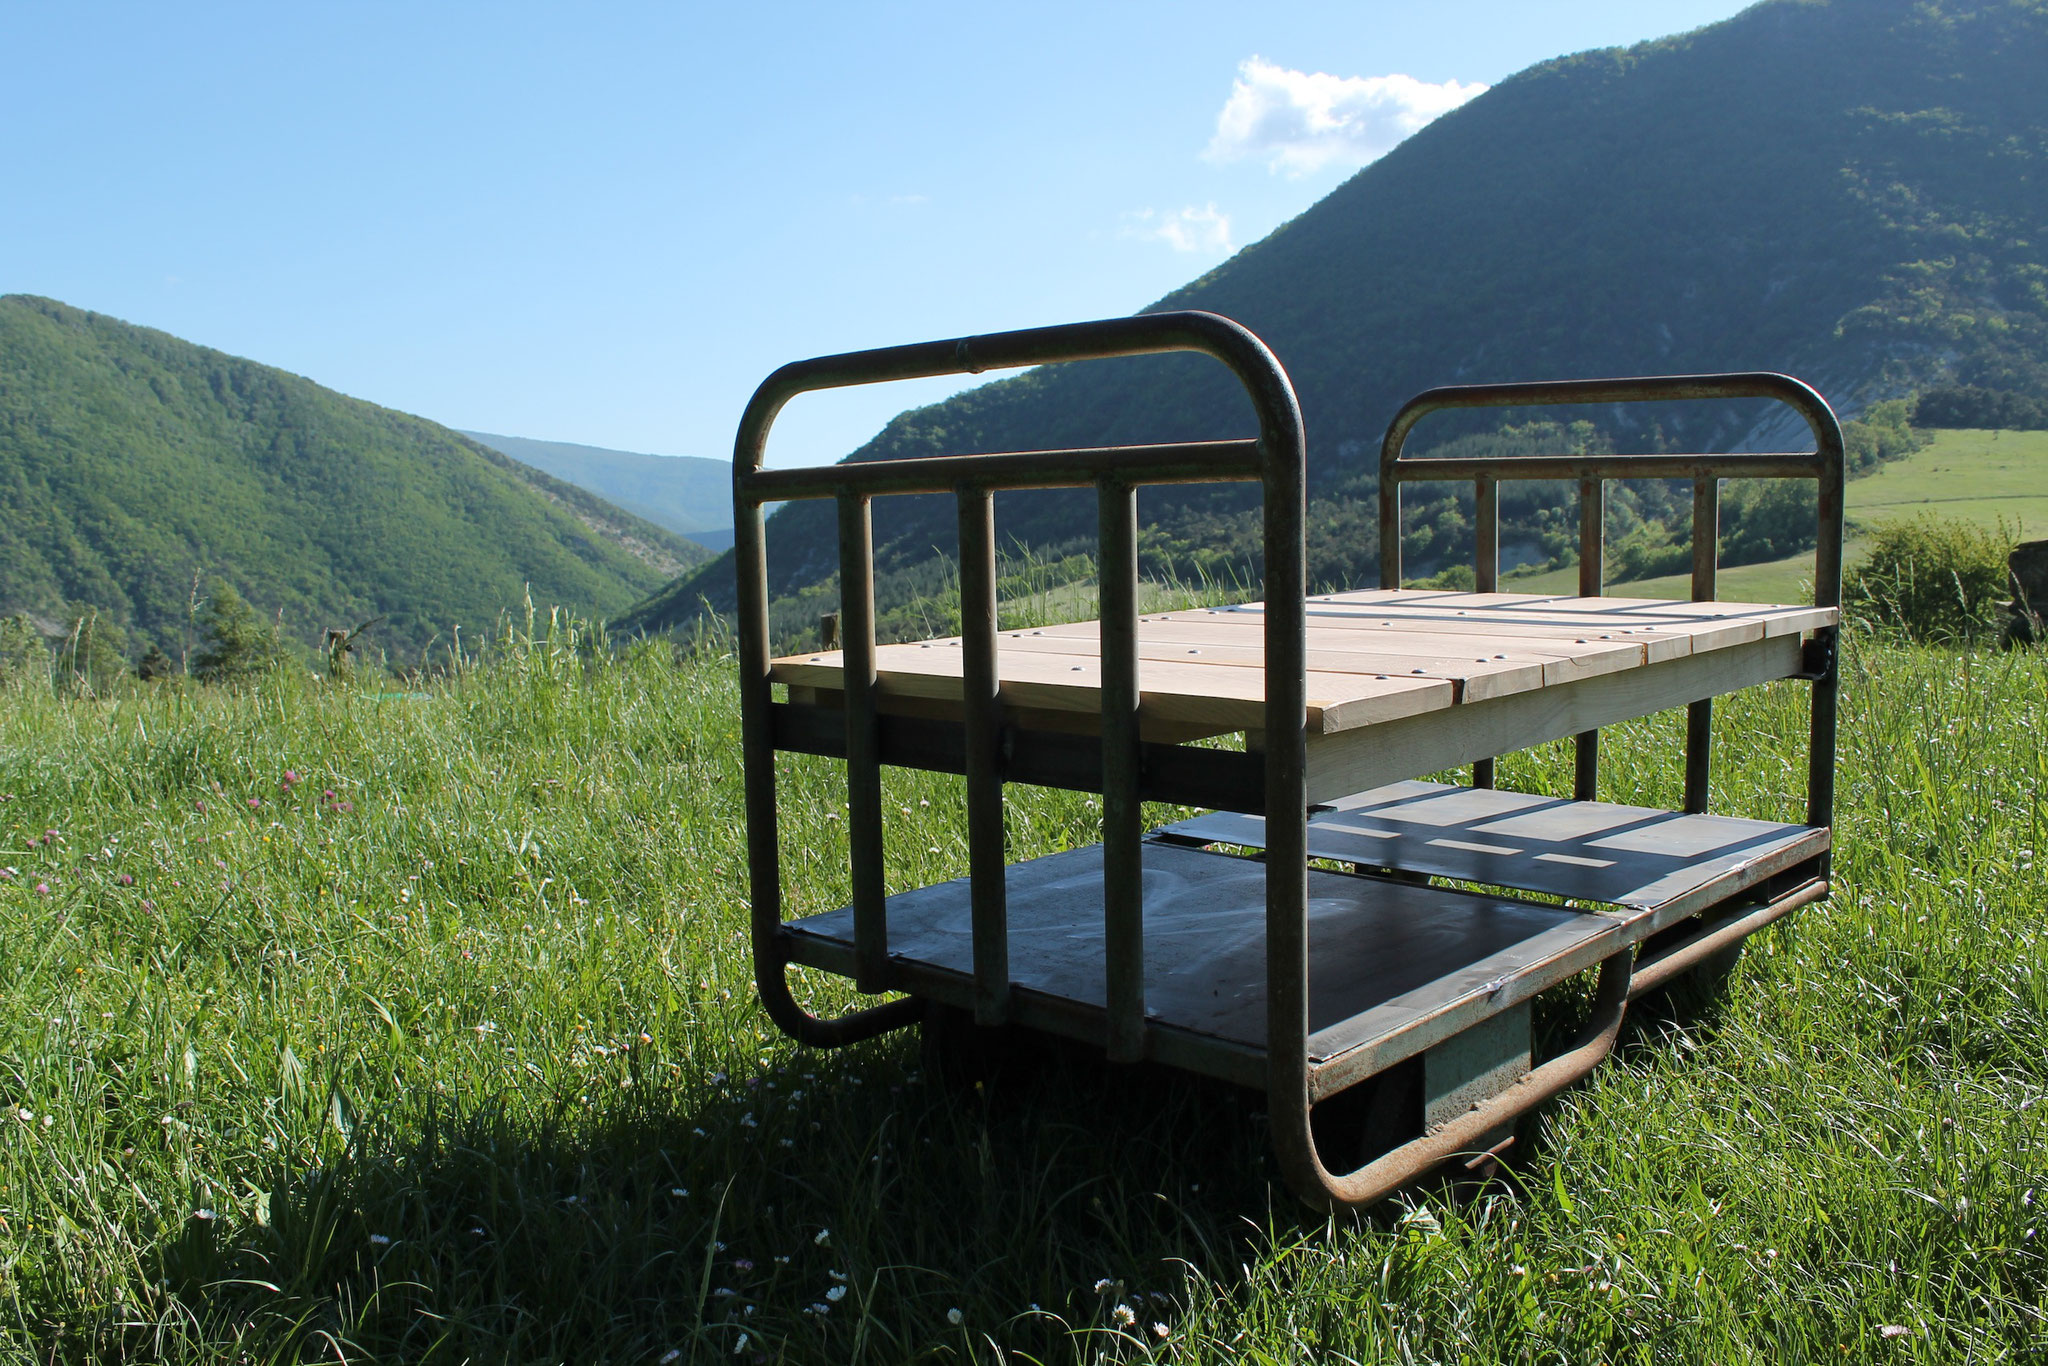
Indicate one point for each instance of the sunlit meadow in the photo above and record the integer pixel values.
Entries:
(413, 1022)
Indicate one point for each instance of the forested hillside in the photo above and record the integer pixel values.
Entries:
(1847, 190)
(134, 467)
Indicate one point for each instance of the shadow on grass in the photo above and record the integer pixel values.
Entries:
(829, 1207)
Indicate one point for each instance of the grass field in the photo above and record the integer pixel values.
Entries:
(1988, 479)
(351, 1026)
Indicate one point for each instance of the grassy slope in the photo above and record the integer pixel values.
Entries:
(1984, 478)
(467, 1068)
(131, 460)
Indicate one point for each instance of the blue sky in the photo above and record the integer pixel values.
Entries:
(605, 223)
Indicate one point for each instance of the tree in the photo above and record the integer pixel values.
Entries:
(235, 643)
(155, 664)
(24, 655)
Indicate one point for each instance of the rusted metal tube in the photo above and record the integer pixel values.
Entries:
(1699, 716)
(1378, 1179)
(1592, 557)
(1523, 468)
(1485, 571)
(1697, 950)
(983, 740)
(1181, 462)
(1123, 893)
(863, 744)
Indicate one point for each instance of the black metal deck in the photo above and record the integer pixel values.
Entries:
(1386, 954)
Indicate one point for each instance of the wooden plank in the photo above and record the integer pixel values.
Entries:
(1711, 634)
(1511, 666)
(1225, 697)
(1778, 619)
(1658, 643)
(1341, 764)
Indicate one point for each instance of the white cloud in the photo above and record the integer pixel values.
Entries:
(1298, 123)
(1188, 229)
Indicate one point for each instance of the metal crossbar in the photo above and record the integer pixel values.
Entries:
(1823, 464)
(1276, 459)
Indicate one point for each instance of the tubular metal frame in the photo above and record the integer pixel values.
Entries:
(1126, 770)
(1823, 464)
(1276, 459)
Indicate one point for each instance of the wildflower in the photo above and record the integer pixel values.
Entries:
(1893, 1330)
(27, 1114)
(204, 1216)
(676, 1354)
(200, 807)
(824, 1238)
(1104, 1286)
(126, 879)
(1124, 1316)
(836, 1275)
(743, 1264)
(380, 1240)
(255, 803)
(327, 795)
(836, 1294)
(955, 1317)
(9, 874)
(1159, 1330)
(724, 1292)
(42, 889)
(737, 1347)
(48, 1120)
(679, 1192)
(747, 1121)
(819, 1309)
(786, 1142)
(289, 781)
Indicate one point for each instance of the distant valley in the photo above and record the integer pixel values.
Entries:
(688, 494)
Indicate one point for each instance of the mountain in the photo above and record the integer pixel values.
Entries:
(1849, 190)
(134, 465)
(688, 494)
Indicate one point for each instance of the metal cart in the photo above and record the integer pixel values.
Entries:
(1213, 944)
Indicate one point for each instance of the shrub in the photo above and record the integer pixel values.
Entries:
(239, 644)
(1930, 578)
(24, 654)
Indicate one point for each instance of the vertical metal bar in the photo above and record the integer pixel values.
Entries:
(863, 743)
(1592, 551)
(1827, 592)
(1485, 572)
(1122, 825)
(983, 722)
(1699, 717)
(1282, 444)
(757, 750)
(1390, 518)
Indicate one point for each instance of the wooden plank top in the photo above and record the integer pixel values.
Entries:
(1375, 655)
